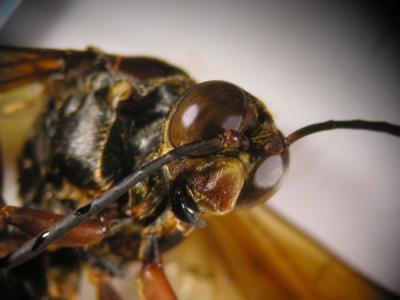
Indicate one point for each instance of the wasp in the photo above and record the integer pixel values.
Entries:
(128, 156)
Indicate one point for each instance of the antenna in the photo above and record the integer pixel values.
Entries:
(348, 124)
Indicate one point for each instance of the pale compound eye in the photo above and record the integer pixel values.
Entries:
(264, 180)
(206, 110)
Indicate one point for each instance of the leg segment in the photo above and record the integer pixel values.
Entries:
(152, 281)
(31, 222)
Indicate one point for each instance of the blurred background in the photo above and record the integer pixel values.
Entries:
(308, 60)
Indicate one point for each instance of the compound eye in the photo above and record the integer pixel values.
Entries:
(206, 110)
(263, 181)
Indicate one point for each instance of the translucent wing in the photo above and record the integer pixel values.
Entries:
(25, 74)
(18, 110)
(22, 65)
(255, 254)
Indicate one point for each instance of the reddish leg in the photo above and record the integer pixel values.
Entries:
(152, 282)
(31, 222)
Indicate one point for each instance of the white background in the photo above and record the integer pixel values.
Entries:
(308, 62)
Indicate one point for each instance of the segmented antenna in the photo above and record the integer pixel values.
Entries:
(348, 124)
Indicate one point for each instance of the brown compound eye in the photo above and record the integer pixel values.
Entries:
(263, 180)
(206, 110)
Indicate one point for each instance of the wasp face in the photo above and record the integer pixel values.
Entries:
(245, 176)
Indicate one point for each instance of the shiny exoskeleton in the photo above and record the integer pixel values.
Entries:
(99, 125)
(108, 116)
(127, 157)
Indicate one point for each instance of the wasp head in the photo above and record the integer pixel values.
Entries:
(252, 164)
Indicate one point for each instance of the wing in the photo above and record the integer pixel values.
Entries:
(26, 73)
(21, 65)
(255, 254)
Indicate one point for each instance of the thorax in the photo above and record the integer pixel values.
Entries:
(85, 140)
